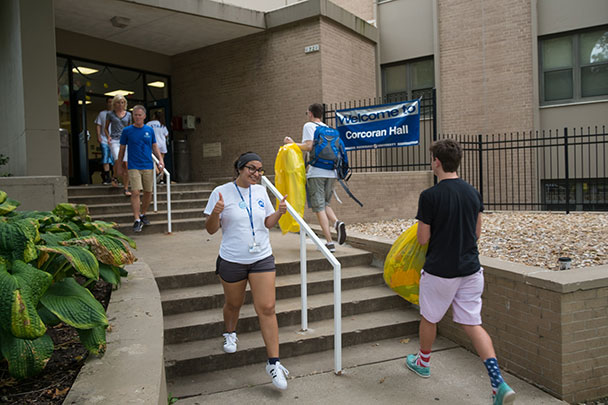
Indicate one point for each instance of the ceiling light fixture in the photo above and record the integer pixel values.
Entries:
(86, 102)
(118, 93)
(157, 83)
(84, 70)
(120, 22)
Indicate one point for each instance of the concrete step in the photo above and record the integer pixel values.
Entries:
(74, 191)
(199, 386)
(186, 224)
(208, 355)
(180, 300)
(124, 206)
(206, 324)
(160, 215)
(203, 276)
(118, 198)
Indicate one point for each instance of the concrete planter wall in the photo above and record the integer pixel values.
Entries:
(40, 193)
(133, 369)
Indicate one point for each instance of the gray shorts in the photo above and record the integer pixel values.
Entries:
(318, 192)
(233, 272)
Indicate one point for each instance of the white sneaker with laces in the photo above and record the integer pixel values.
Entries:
(278, 374)
(230, 340)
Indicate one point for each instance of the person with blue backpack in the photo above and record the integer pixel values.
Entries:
(323, 146)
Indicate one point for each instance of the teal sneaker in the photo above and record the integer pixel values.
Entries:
(504, 394)
(410, 362)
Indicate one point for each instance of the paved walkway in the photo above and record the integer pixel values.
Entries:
(373, 372)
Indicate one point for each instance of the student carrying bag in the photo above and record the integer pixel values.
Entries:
(328, 152)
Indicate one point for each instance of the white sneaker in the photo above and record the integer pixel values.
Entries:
(278, 374)
(230, 340)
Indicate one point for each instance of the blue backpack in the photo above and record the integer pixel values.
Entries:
(328, 152)
(327, 148)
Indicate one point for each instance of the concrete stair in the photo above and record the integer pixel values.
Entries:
(193, 320)
(109, 204)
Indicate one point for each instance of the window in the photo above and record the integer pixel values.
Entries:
(574, 66)
(408, 80)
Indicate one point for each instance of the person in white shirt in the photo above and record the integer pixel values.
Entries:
(104, 141)
(320, 182)
(161, 133)
(244, 212)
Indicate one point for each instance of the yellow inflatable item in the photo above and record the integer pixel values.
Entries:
(403, 264)
(290, 179)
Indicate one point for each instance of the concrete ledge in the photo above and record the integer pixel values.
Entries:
(132, 370)
(316, 8)
(40, 193)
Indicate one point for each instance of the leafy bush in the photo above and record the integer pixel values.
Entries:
(40, 255)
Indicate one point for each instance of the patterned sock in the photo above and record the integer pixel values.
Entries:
(424, 358)
(273, 360)
(494, 373)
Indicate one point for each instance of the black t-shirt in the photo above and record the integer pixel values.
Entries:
(451, 208)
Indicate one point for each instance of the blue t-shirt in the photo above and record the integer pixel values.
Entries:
(139, 142)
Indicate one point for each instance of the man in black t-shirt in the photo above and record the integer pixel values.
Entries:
(449, 220)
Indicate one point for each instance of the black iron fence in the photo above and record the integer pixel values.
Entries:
(563, 169)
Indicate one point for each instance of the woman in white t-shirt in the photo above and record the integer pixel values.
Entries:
(244, 212)
(160, 133)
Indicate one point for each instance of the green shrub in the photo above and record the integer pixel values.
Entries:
(40, 253)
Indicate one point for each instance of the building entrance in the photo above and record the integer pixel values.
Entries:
(83, 87)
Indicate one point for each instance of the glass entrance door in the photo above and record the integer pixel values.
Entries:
(83, 88)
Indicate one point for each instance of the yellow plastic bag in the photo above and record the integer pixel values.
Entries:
(403, 264)
(290, 179)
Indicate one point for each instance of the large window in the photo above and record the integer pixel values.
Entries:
(408, 80)
(574, 66)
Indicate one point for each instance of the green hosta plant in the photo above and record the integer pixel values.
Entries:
(40, 253)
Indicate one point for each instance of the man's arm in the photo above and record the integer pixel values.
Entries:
(99, 131)
(478, 227)
(158, 155)
(305, 146)
(424, 233)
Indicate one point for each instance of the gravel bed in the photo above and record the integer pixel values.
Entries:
(531, 238)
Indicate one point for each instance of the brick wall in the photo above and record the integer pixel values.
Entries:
(251, 92)
(348, 64)
(386, 195)
(486, 66)
(548, 327)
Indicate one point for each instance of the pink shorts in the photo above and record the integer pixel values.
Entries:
(462, 293)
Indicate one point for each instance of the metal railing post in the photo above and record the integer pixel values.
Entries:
(338, 318)
(305, 228)
(303, 281)
(154, 189)
(155, 192)
(567, 171)
(480, 144)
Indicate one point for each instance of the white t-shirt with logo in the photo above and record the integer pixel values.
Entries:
(160, 132)
(308, 134)
(236, 227)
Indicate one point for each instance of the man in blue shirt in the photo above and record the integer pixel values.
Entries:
(141, 142)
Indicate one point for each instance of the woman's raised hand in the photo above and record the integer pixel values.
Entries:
(219, 205)
(283, 205)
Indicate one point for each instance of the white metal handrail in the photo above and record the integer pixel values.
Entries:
(168, 183)
(304, 230)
